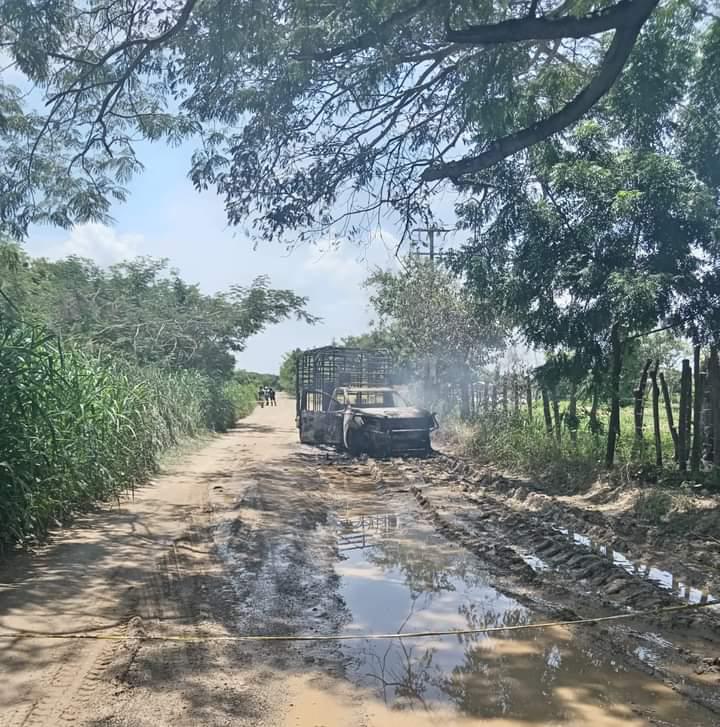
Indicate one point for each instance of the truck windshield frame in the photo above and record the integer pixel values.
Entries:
(372, 399)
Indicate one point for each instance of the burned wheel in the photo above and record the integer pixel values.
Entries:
(357, 442)
(428, 447)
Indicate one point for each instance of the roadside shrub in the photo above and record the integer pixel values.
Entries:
(509, 440)
(242, 399)
(512, 442)
(75, 428)
(225, 402)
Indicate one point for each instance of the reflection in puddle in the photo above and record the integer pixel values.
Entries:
(399, 576)
(537, 564)
(662, 578)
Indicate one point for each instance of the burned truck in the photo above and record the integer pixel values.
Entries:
(346, 398)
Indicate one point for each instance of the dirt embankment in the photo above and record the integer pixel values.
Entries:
(671, 529)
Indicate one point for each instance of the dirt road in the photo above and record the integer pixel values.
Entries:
(256, 534)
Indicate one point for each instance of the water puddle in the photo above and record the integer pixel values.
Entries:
(662, 578)
(537, 564)
(397, 575)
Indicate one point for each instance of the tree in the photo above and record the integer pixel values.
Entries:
(141, 311)
(288, 369)
(592, 246)
(441, 333)
(307, 106)
(375, 338)
(666, 347)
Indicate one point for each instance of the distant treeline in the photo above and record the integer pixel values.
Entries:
(256, 379)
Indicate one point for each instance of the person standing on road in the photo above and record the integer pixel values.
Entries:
(272, 396)
(261, 397)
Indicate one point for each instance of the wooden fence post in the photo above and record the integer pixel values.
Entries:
(528, 398)
(714, 384)
(669, 415)
(707, 415)
(546, 412)
(464, 399)
(571, 420)
(640, 402)
(656, 414)
(689, 414)
(556, 414)
(699, 376)
(593, 422)
(683, 423)
(615, 372)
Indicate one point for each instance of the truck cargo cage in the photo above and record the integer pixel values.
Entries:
(321, 370)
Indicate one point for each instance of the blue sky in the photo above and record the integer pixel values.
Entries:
(166, 217)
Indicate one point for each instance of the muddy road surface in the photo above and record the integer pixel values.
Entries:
(255, 534)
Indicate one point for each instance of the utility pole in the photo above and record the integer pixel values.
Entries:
(431, 231)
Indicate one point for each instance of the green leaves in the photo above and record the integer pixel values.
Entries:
(646, 97)
(424, 313)
(598, 237)
(698, 138)
(288, 369)
(140, 311)
(307, 107)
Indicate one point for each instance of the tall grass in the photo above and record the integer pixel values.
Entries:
(511, 441)
(75, 428)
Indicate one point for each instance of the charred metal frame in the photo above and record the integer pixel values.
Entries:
(321, 370)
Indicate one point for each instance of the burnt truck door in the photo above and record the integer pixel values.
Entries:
(312, 417)
(320, 418)
(334, 420)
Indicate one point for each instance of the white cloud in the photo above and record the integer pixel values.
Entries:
(382, 237)
(336, 264)
(100, 243)
(345, 262)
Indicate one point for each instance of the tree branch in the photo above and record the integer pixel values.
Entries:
(612, 65)
(368, 39)
(623, 14)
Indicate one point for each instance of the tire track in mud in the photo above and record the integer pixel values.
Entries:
(526, 544)
(574, 581)
(283, 564)
(693, 554)
(278, 552)
(163, 597)
(173, 595)
(70, 686)
(74, 681)
(274, 553)
(503, 538)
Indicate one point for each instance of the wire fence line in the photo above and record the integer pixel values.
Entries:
(671, 416)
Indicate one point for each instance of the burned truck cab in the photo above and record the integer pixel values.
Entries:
(379, 421)
(345, 399)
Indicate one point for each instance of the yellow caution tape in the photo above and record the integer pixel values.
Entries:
(356, 637)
